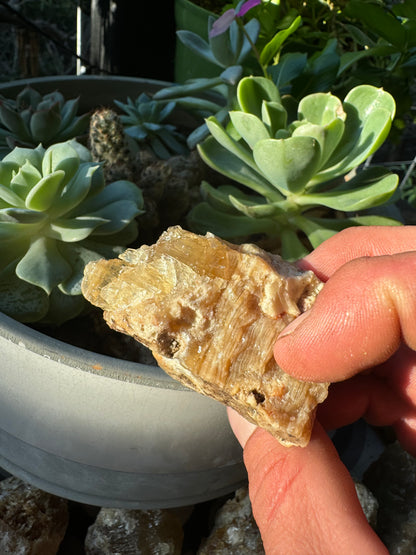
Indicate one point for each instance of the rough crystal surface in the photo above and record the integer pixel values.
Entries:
(32, 521)
(134, 532)
(235, 530)
(210, 312)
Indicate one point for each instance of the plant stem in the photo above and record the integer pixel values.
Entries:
(253, 46)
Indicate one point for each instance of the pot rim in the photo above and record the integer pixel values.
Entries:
(117, 369)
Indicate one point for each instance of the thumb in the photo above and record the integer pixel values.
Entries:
(303, 499)
(359, 319)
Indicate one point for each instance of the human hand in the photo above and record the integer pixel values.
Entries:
(361, 334)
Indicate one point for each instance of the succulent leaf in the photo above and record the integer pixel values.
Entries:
(235, 168)
(288, 163)
(34, 119)
(43, 265)
(298, 156)
(44, 124)
(42, 195)
(251, 129)
(55, 213)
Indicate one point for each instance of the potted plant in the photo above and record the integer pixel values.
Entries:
(94, 428)
(110, 432)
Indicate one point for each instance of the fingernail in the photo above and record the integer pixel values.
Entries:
(293, 325)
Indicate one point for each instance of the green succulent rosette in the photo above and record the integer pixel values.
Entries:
(296, 168)
(31, 119)
(57, 214)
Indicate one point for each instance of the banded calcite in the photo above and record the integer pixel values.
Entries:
(210, 312)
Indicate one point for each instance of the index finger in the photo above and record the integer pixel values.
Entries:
(357, 242)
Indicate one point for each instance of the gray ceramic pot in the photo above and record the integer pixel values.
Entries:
(99, 430)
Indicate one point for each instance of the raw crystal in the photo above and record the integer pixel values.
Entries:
(134, 532)
(32, 521)
(210, 312)
(235, 530)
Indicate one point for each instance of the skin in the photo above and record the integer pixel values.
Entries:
(360, 334)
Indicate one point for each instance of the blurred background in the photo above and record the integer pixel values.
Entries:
(64, 37)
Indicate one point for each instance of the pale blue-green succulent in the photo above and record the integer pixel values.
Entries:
(57, 214)
(32, 119)
(145, 121)
(227, 50)
(294, 166)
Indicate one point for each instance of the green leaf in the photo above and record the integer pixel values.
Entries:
(74, 230)
(13, 121)
(321, 109)
(44, 193)
(288, 163)
(10, 230)
(327, 136)
(348, 59)
(255, 210)
(379, 20)
(233, 167)
(69, 112)
(292, 247)
(20, 156)
(117, 215)
(274, 116)
(179, 91)
(75, 191)
(358, 198)
(44, 125)
(203, 218)
(232, 75)
(77, 127)
(252, 91)
(274, 45)
(221, 48)
(316, 233)
(43, 265)
(370, 112)
(250, 127)
(320, 72)
(78, 257)
(10, 197)
(25, 179)
(227, 142)
(219, 197)
(60, 156)
(112, 193)
(63, 307)
(290, 66)
(197, 44)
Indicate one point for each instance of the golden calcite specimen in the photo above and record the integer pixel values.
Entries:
(210, 312)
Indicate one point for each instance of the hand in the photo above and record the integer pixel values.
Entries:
(361, 334)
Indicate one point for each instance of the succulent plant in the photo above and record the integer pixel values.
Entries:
(56, 214)
(293, 166)
(144, 120)
(32, 119)
(228, 49)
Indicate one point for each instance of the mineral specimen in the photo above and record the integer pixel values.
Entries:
(235, 530)
(210, 312)
(32, 521)
(134, 532)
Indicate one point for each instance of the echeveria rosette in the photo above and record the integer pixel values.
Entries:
(298, 168)
(33, 119)
(57, 214)
(144, 120)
